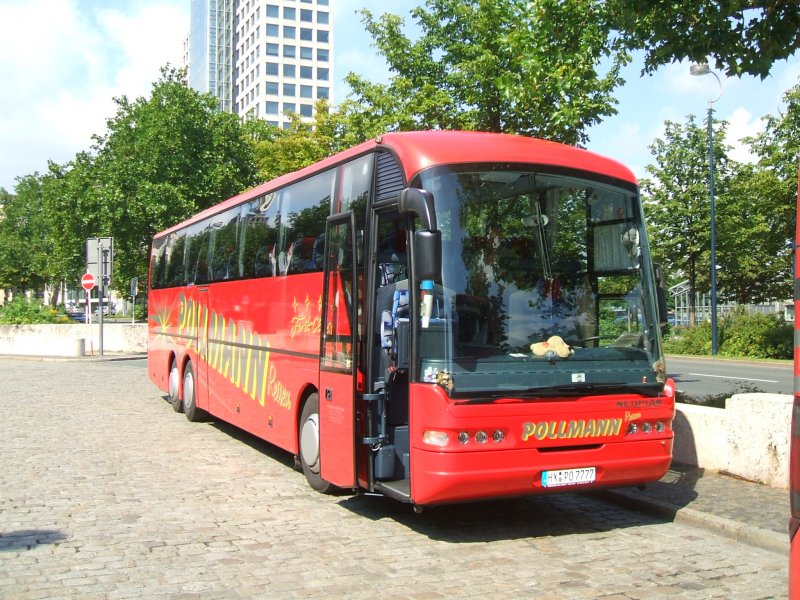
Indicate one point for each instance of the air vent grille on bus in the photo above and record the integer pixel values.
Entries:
(390, 178)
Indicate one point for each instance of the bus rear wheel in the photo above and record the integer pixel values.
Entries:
(175, 387)
(190, 409)
(308, 436)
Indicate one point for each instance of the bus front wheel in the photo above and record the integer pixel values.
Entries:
(190, 409)
(309, 445)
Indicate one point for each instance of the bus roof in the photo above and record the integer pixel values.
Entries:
(419, 150)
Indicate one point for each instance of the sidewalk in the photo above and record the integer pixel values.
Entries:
(741, 510)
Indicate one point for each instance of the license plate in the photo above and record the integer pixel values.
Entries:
(564, 477)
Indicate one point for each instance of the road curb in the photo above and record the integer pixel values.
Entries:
(86, 358)
(733, 530)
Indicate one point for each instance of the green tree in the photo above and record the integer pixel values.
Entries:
(770, 187)
(495, 65)
(24, 245)
(755, 248)
(739, 36)
(162, 159)
(279, 151)
(677, 201)
(69, 196)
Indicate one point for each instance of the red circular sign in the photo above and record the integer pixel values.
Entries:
(87, 281)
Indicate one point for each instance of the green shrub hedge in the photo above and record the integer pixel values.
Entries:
(21, 312)
(738, 334)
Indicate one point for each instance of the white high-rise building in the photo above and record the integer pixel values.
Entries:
(263, 58)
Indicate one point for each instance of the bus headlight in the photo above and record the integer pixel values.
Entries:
(435, 438)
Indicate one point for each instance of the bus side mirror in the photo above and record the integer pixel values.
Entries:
(427, 239)
(427, 254)
(661, 296)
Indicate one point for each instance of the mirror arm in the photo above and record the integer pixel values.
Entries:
(421, 203)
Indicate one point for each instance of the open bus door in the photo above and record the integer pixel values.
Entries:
(337, 378)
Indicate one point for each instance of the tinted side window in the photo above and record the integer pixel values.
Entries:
(356, 183)
(304, 208)
(174, 255)
(158, 263)
(225, 264)
(259, 236)
(197, 241)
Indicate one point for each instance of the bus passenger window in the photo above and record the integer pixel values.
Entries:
(259, 233)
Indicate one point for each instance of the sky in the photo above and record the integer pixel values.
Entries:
(62, 62)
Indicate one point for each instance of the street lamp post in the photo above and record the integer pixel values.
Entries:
(703, 69)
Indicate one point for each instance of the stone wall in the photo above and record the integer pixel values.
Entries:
(749, 438)
(73, 340)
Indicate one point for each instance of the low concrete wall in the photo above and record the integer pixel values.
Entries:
(72, 340)
(748, 438)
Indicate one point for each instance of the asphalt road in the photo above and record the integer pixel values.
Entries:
(702, 377)
(106, 492)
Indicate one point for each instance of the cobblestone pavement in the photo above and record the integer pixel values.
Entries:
(105, 492)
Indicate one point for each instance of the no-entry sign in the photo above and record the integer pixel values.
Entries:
(87, 281)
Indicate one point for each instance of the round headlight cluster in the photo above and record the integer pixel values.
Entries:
(646, 427)
(481, 437)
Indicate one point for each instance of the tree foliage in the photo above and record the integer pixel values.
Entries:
(161, 159)
(24, 244)
(756, 203)
(280, 151)
(494, 65)
(739, 36)
(677, 201)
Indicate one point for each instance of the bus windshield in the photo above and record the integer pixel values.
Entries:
(546, 286)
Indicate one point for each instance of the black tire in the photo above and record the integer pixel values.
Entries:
(190, 409)
(175, 387)
(308, 445)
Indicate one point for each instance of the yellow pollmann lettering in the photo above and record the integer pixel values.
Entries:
(567, 430)
(233, 351)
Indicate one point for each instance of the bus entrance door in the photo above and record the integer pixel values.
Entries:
(337, 365)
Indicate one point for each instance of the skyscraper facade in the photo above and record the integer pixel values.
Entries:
(263, 58)
(211, 50)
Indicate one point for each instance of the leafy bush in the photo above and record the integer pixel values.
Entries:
(140, 312)
(689, 340)
(739, 334)
(21, 312)
(756, 336)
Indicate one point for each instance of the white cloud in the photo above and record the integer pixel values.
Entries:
(741, 123)
(61, 65)
(147, 40)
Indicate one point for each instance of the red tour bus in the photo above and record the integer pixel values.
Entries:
(794, 466)
(434, 316)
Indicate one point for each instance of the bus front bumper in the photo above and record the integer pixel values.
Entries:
(443, 477)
